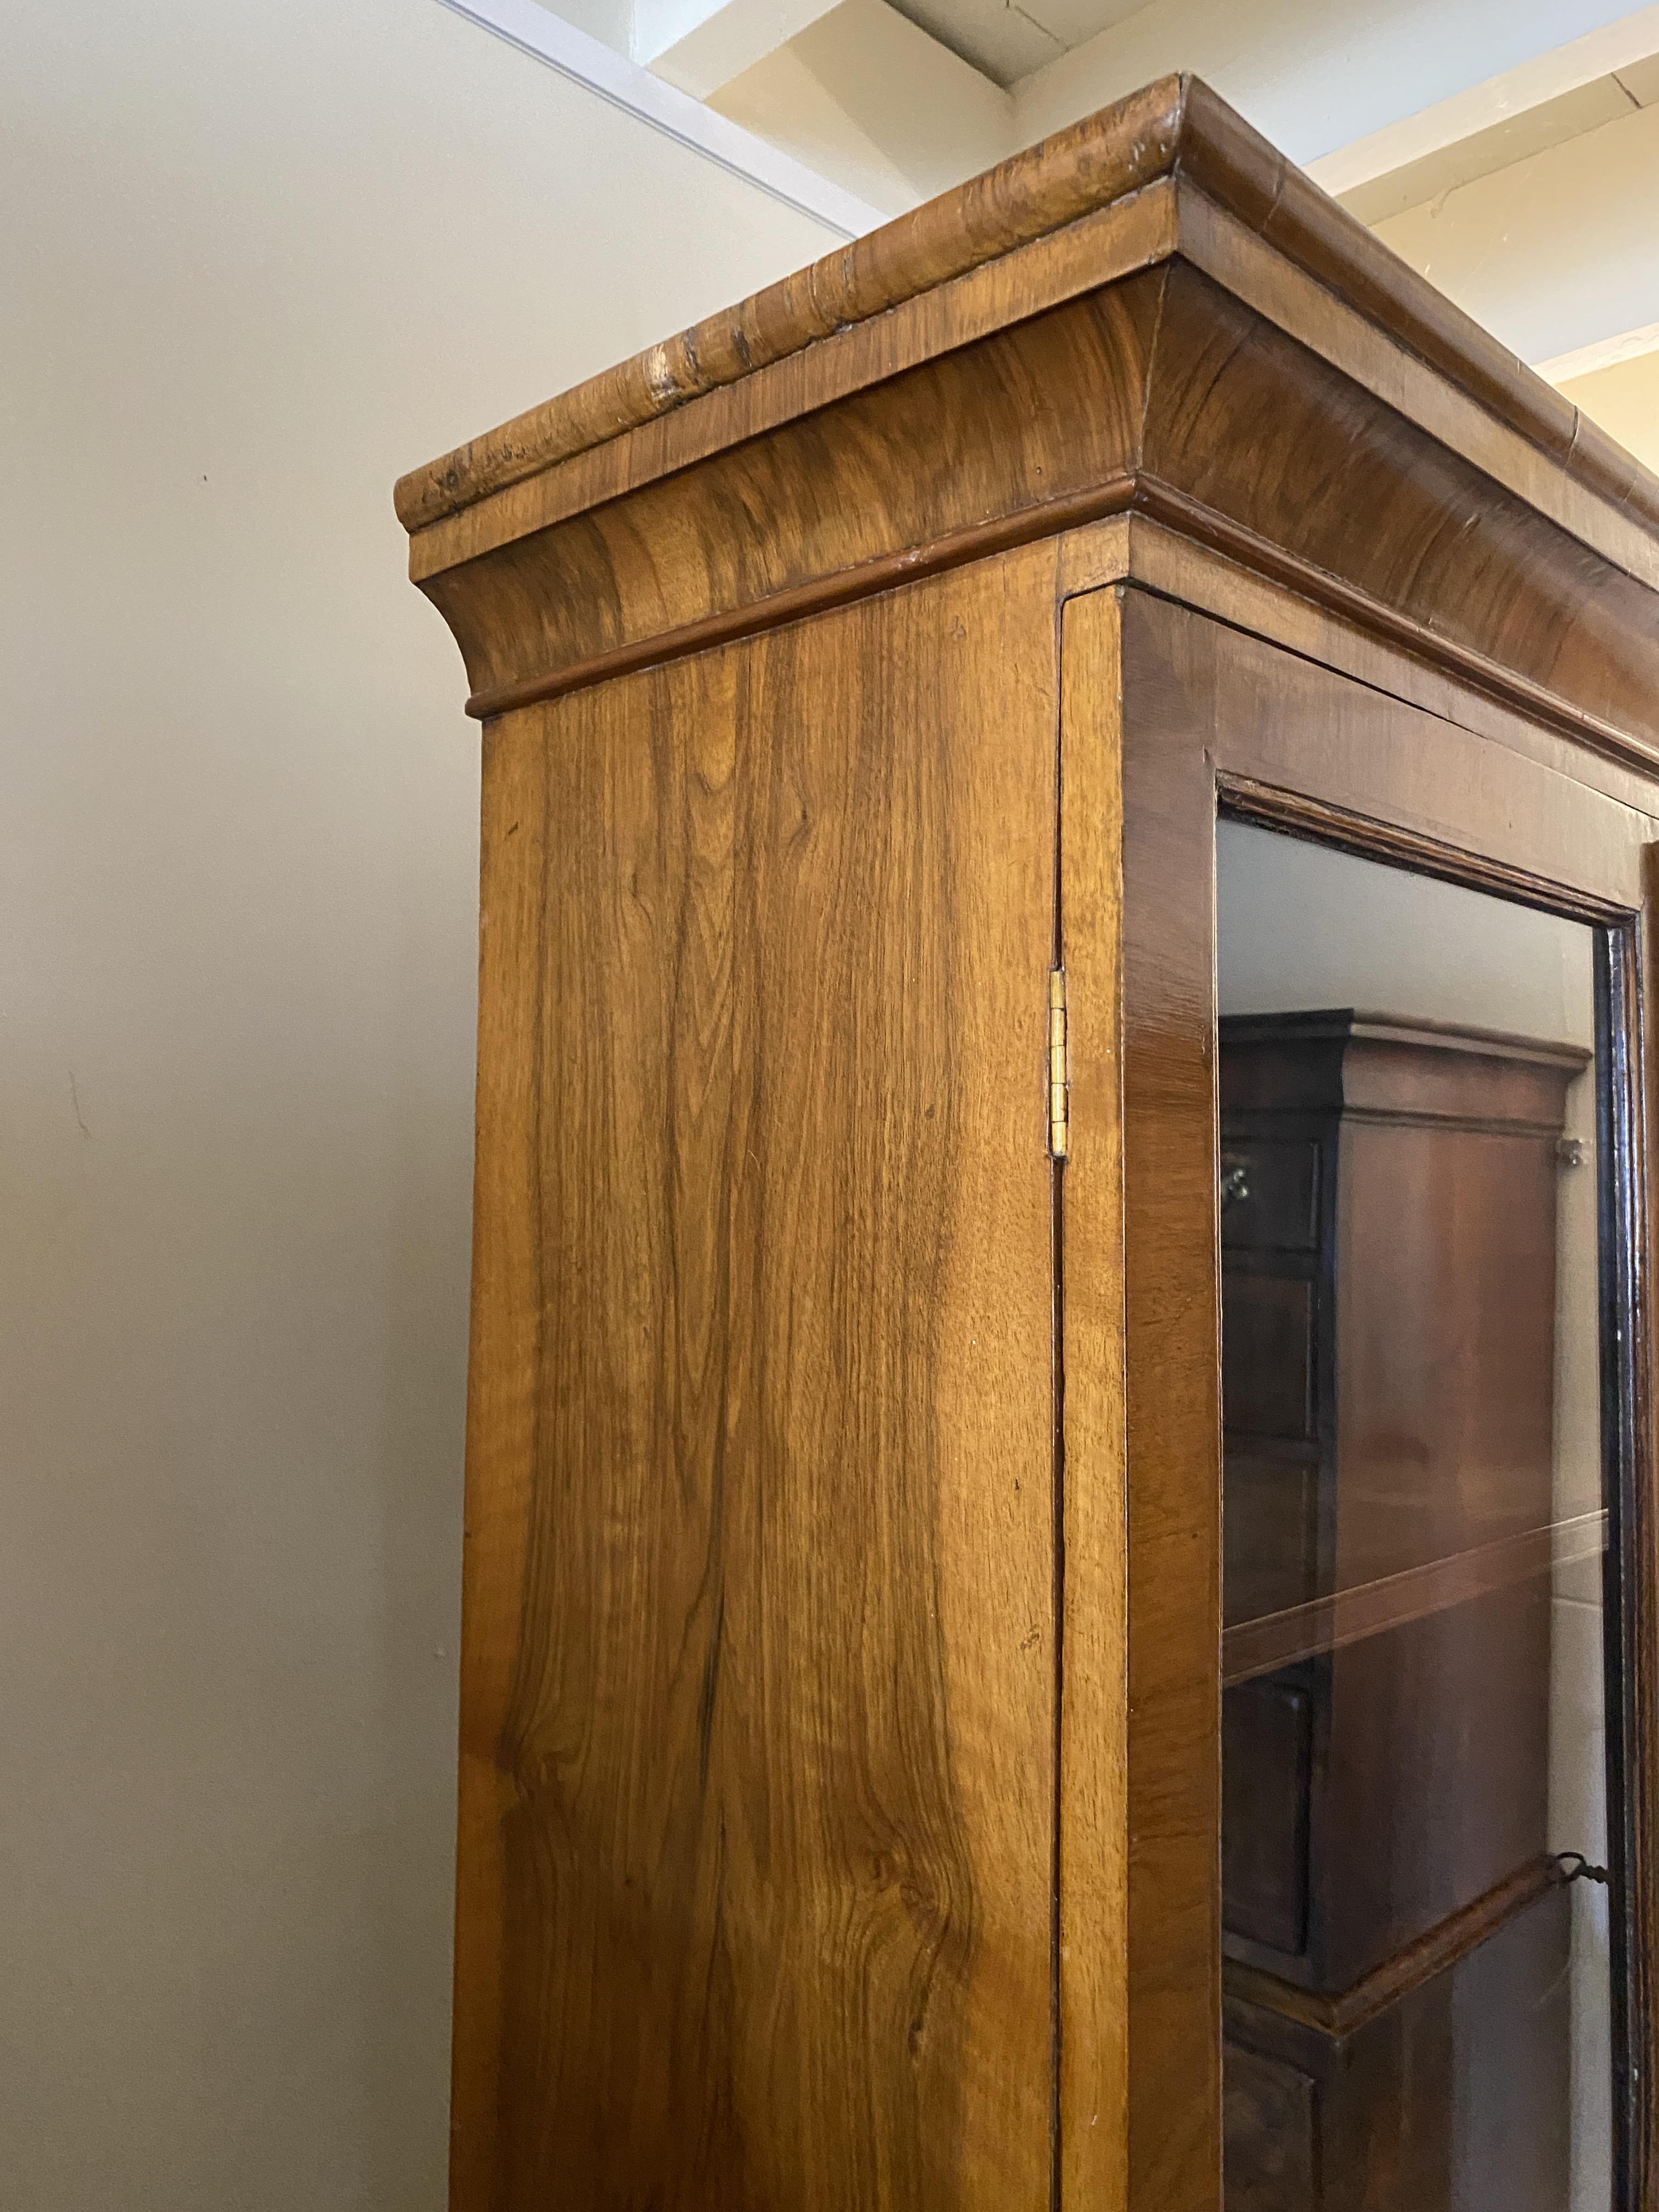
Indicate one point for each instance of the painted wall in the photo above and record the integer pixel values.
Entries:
(865, 97)
(1554, 253)
(1624, 400)
(255, 261)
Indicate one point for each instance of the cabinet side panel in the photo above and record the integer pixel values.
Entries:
(1094, 1681)
(504, 1367)
(758, 1796)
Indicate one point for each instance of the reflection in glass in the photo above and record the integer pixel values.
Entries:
(1416, 2000)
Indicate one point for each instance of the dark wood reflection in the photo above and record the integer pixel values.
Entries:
(1395, 1988)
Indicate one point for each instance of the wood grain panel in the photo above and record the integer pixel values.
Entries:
(1171, 1228)
(505, 1363)
(1446, 1378)
(1418, 1820)
(1093, 1591)
(757, 1803)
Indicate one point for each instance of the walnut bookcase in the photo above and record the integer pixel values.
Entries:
(839, 1800)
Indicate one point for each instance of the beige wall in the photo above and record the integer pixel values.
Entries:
(1553, 252)
(1624, 400)
(254, 261)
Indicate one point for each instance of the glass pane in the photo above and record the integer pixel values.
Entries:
(1416, 1996)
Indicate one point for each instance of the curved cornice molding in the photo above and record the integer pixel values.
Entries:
(1176, 128)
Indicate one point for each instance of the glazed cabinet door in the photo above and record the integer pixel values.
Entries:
(758, 1789)
(1360, 987)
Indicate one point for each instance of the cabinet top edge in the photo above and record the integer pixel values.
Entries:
(1349, 1024)
(1175, 127)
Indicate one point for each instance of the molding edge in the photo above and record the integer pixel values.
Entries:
(1450, 1940)
(1606, 353)
(977, 542)
(1143, 497)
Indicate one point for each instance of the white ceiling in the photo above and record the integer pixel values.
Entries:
(1527, 131)
(1005, 42)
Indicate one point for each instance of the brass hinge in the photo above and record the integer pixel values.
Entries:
(1058, 1075)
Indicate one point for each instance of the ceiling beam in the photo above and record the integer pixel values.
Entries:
(1604, 353)
(1530, 130)
(1319, 78)
(701, 45)
(558, 45)
(1536, 83)
(868, 98)
(1557, 255)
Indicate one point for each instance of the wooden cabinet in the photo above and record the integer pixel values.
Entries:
(1388, 1319)
(859, 675)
